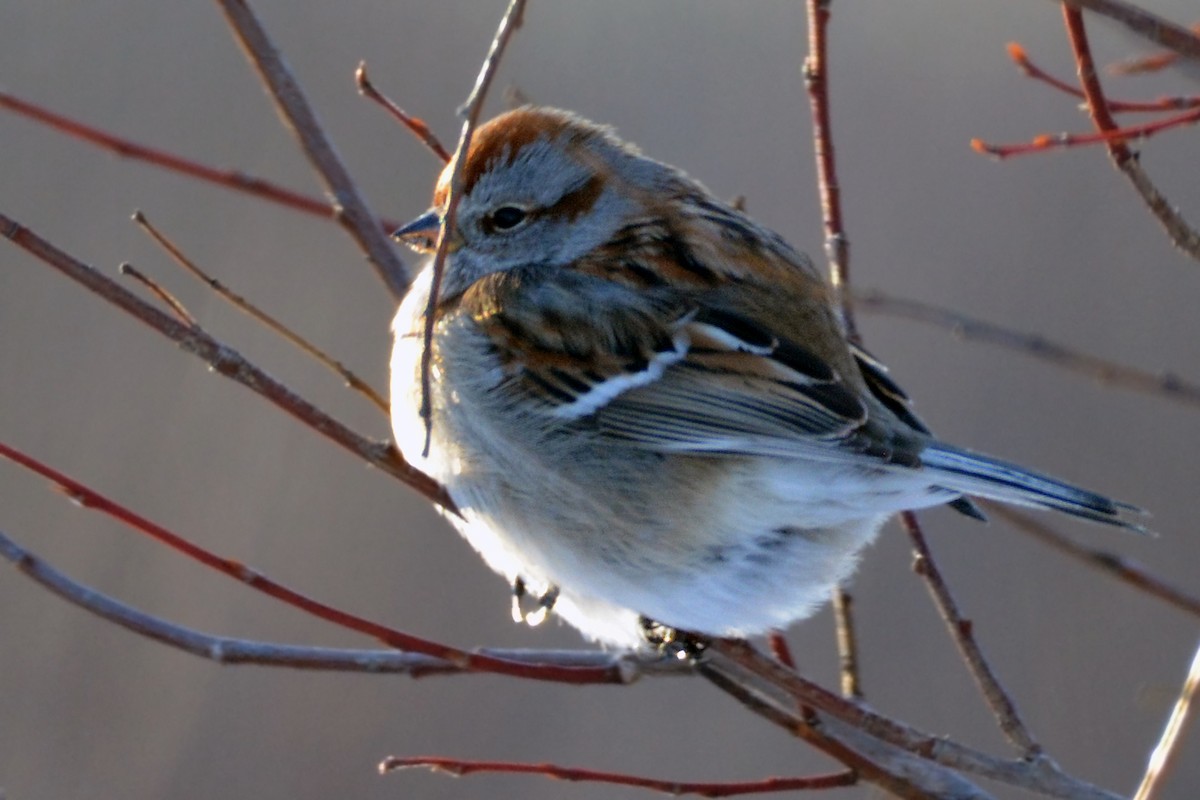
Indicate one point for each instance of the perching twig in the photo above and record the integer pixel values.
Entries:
(609, 667)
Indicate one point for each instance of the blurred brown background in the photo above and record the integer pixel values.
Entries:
(1055, 244)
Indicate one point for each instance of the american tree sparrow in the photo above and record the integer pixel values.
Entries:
(643, 403)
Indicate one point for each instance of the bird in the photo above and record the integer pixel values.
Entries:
(644, 404)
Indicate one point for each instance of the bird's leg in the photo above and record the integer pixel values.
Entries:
(544, 604)
(673, 642)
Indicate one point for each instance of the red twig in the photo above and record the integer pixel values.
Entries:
(228, 178)
(459, 767)
(474, 105)
(89, 498)
(1182, 235)
(1115, 136)
(1017, 53)
(416, 126)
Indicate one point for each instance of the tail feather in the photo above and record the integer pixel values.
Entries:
(976, 474)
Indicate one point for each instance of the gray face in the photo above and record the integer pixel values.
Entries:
(544, 205)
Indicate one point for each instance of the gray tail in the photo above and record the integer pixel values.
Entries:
(976, 474)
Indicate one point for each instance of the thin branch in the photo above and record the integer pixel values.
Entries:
(169, 300)
(90, 498)
(961, 631)
(1045, 142)
(837, 253)
(1182, 235)
(1017, 53)
(1150, 26)
(1167, 385)
(618, 668)
(459, 767)
(474, 105)
(242, 304)
(894, 771)
(847, 644)
(350, 207)
(1115, 565)
(816, 79)
(227, 178)
(415, 126)
(1166, 752)
(228, 362)
(1037, 775)
(1155, 62)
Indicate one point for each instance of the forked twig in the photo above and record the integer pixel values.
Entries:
(1150, 26)
(169, 300)
(1182, 235)
(228, 362)
(262, 317)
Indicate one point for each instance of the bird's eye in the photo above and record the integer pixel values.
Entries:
(506, 218)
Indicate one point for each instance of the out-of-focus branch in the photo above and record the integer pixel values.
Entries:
(1150, 26)
(1166, 751)
(1113, 564)
(349, 205)
(1167, 385)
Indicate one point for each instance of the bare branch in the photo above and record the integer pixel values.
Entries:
(228, 362)
(1167, 750)
(415, 126)
(1182, 235)
(620, 668)
(961, 632)
(1113, 564)
(458, 767)
(1166, 385)
(474, 105)
(266, 320)
(1145, 24)
(350, 207)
